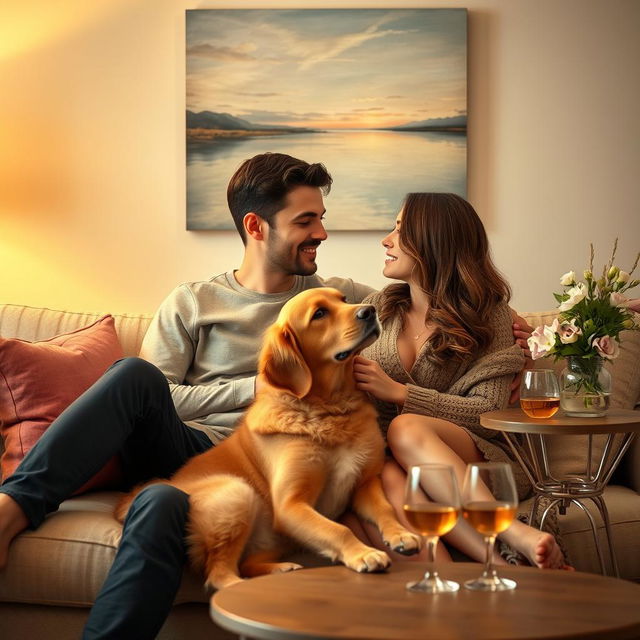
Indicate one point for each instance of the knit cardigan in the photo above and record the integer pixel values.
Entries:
(457, 390)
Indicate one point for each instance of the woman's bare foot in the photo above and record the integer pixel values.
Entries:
(12, 522)
(540, 548)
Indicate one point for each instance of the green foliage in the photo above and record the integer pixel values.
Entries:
(596, 317)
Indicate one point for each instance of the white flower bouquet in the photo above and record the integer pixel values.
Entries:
(592, 315)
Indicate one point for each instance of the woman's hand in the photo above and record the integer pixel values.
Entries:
(370, 377)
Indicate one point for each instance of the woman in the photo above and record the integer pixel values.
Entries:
(446, 355)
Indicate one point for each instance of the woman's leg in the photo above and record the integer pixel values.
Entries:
(416, 439)
(393, 481)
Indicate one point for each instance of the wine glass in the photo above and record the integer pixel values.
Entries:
(432, 507)
(539, 393)
(489, 503)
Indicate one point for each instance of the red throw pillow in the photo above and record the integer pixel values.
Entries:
(38, 380)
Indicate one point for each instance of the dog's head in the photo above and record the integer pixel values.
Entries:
(313, 341)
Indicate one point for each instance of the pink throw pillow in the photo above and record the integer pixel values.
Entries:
(38, 380)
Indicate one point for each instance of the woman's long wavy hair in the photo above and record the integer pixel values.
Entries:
(446, 238)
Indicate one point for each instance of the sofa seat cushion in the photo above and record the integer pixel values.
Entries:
(66, 560)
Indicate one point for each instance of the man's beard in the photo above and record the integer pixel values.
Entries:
(280, 257)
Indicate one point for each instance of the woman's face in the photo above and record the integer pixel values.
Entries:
(397, 265)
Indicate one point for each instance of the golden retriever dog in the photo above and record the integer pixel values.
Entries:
(306, 449)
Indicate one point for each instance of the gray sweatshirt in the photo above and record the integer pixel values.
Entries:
(206, 337)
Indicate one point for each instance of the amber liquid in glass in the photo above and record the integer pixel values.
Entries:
(540, 407)
(489, 518)
(431, 519)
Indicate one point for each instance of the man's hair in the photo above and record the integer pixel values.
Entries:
(261, 185)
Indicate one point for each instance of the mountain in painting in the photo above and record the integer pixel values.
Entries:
(227, 122)
(456, 123)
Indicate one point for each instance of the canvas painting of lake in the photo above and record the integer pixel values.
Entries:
(379, 96)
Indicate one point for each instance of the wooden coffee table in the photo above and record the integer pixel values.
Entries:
(335, 602)
(527, 438)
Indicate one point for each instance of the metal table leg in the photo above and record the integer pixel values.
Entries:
(571, 489)
(604, 512)
(594, 530)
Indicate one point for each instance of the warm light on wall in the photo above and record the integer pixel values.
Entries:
(24, 264)
(92, 153)
(27, 26)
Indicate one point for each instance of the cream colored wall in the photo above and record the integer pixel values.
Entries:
(92, 180)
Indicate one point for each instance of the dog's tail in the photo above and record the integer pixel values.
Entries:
(122, 508)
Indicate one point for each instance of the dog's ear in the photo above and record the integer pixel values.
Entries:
(282, 363)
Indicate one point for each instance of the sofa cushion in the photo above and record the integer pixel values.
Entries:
(625, 391)
(38, 380)
(35, 323)
(66, 560)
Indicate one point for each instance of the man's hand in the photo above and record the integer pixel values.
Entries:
(521, 332)
(371, 378)
(634, 305)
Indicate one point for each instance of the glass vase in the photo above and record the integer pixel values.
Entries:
(585, 387)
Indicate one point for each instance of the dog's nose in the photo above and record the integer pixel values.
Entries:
(366, 312)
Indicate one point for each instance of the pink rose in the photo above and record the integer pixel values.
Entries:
(607, 347)
(569, 332)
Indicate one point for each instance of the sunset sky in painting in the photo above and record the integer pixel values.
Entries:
(328, 68)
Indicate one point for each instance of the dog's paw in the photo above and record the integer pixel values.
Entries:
(284, 567)
(404, 542)
(368, 560)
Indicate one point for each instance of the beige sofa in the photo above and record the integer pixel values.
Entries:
(55, 572)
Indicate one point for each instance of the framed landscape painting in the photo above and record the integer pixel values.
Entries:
(377, 95)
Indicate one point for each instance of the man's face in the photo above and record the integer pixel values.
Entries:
(297, 232)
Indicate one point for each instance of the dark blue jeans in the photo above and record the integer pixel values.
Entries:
(128, 412)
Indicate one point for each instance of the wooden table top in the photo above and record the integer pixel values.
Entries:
(517, 421)
(335, 602)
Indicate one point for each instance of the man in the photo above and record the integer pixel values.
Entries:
(204, 339)
(206, 335)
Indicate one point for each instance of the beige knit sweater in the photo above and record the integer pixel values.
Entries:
(459, 390)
